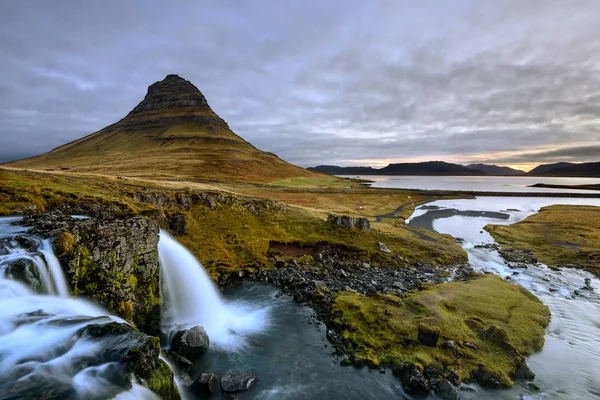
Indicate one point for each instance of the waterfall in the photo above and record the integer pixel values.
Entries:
(191, 298)
(39, 332)
(60, 283)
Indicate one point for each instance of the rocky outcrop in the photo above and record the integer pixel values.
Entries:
(127, 351)
(113, 262)
(350, 222)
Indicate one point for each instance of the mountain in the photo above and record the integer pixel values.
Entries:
(172, 134)
(422, 168)
(428, 168)
(335, 170)
(544, 168)
(591, 169)
(495, 169)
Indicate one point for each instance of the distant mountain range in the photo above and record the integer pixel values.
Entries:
(448, 169)
(496, 170)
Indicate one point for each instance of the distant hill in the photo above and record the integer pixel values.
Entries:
(544, 168)
(172, 134)
(495, 169)
(591, 170)
(335, 170)
(422, 168)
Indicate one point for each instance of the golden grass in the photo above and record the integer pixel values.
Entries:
(560, 234)
(380, 328)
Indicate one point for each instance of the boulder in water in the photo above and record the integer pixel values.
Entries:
(25, 271)
(238, 382)
(181, 363)
(412, 379)
(27, 243)
(204, 386)
(190, 343)
(446, 390)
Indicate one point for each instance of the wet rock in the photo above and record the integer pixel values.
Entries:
(383, 248)
(191, 343)
(485, 379)
(39, 387)
(412, 379)
(588, 285)
(238, 382)
(453, 377)
(204, 386)
(446, 390)
(25, 271)
(27, 243)
(181, 363)
(533, 387)
(428, 335)
(523, 372)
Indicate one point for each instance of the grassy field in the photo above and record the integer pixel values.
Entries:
(558, 234)
(383, 329)
(231, 238)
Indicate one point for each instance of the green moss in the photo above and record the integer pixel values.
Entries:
(385, 329)
(557, 235)
(64, 243)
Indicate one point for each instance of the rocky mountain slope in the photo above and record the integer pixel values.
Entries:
(172, 133)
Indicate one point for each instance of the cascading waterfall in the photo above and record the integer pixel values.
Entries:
(40, 345)
(191, 299)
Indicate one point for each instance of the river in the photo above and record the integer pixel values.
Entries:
(568, 367)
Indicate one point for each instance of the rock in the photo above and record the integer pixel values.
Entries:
(446, 390)
(588, 285)
(412, 379)
(453, 377)
(228, 396)
(25, 271)
(204, 386)
(428, 335)
(350, 222)
(279, 263)
(450, 345)
(383, 248)
(181, 363)
(471, 345)
(431, 372)
(191, 343)
(533, 387)
(238, 382)
(27, 243)
(522, 371)
(178, 224)
(485, 379)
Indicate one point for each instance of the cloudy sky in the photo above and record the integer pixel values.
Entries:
(339, 82)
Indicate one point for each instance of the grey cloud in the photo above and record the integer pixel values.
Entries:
(314, 82)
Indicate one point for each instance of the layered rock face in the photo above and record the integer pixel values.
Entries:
(111, 261)
(170, 101)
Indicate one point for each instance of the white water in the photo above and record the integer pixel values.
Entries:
(568, 367)
(191, 298)
(38, 332)
(60, 283)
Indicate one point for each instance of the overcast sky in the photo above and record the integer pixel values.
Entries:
(317, 82)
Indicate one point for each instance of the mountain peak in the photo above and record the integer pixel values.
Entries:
(172, 92)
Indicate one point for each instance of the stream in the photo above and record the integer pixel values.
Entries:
(568, 367)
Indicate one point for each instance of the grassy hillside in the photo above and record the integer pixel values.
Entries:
(171, 134)
(230, 237)
(558, 234)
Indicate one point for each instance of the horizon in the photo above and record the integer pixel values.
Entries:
(318, 84)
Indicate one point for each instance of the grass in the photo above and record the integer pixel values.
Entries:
(558, 234)
(231, 238)
(383, 329)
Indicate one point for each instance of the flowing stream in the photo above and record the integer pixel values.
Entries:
(568, 367)
(40, 348)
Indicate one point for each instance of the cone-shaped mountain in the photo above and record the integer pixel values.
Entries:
(172, 132)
